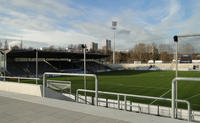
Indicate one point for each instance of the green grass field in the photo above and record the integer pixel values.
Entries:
(149, 83)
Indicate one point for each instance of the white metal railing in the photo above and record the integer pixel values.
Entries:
(174, 92)
(59, 85)
(19, 78)
(72, 74)
(137, 96)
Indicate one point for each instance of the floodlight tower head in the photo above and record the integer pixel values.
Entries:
(114, 25)
(83, 46)
(175, 38)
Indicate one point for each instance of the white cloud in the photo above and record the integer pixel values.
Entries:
(46, 7)
(173, 13)
(43, 21)
(58, 38)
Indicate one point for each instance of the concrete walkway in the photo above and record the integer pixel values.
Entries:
(19, 108)
(16, 111)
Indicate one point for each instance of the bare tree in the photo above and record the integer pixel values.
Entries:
(166, 57)
(140, 53)
(186, 48)
(165, 48)
(153, 52)
(15, 47)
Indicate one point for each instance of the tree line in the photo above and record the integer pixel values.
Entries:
(145, 52)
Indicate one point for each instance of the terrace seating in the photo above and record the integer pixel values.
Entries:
(27, 69)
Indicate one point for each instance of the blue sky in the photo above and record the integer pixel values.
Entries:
(63, 22)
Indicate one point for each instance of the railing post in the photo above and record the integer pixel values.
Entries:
(92, 100)
(77, 97)
(96, 90)
(189, 112)
(173, 98)
(70, 91)
(44, 79)
(107, 102)
(125, 103)
(118, 101)
(18, 79)
(158, 110)
(85, 98)
(130, 105)
(139, 108)
(138, 96)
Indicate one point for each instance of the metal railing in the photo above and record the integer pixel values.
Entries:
(174, 92)
(72, 74)
(19, 78)
(137, 96)
(59, 85)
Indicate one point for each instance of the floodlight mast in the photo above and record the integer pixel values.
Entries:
(114, 25)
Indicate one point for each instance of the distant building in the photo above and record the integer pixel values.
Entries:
(106, 44)
(93, 46)
(75, 48)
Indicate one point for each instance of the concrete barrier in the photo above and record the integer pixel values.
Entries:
(23, 88)
(163, 66)
(31, 89)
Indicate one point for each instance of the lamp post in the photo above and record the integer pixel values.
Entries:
(84, 66)
(176, 96)
(36, 66)
(4, 64)
(176, 39)
(114, 25)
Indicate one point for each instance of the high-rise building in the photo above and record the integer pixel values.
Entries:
(106, 44)
(93, 46)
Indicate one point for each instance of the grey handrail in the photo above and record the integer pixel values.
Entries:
(177, 79)
(54, 83)
(137, 96)
(72, 74)
(19, 78)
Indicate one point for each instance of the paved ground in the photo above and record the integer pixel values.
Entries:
(15, 111)
(21, 108)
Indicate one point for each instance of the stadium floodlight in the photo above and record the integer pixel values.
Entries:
(85, 81)
(114, 26)
(176, 40)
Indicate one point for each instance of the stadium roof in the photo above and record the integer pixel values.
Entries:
(52, 54)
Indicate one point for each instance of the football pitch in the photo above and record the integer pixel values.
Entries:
(148, 83)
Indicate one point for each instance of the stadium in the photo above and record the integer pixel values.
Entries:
(85, 78)
(99, 61)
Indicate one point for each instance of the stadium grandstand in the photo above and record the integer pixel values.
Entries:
(23, 62)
